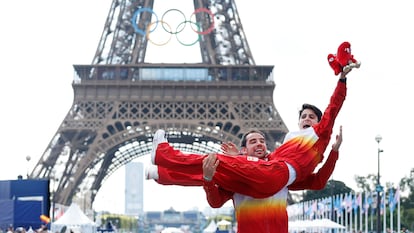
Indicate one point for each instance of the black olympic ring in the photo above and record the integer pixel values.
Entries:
(170, 34)
(167, 28)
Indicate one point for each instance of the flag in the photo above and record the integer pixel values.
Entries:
(349, 202)
(397, 196)
(314, 207)
(355, 202)
(366, 203)
(382, 204)
(397, 200)
(371, 203)
(338, 205)
(391, 203)
(358, 201)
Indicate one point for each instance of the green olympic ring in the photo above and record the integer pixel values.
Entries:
(198, 36)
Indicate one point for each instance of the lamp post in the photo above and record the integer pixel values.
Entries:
(378, 138)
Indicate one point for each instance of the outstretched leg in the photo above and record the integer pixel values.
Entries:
(166, 176)
(241, 174)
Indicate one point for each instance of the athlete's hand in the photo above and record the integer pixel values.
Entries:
(338, 141)
(210, 163)
(229, 148)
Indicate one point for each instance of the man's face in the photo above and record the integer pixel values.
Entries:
(307, 119)
(255, 145)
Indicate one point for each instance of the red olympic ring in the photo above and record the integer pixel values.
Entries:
(210, 29)
(181, 26)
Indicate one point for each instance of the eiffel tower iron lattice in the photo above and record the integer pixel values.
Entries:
(120, 100)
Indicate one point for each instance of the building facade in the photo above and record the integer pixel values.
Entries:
(134, 189)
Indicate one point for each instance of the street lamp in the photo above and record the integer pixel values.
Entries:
(378, 138)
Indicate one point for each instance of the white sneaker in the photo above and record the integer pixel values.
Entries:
(159, 137)
(151, 172)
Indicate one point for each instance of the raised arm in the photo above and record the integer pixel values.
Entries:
(317, 181)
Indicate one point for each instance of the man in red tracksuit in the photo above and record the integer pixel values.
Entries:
(266, 215)
(258, 215)
(292, 162)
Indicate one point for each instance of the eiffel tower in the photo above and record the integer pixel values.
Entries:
(120, 100)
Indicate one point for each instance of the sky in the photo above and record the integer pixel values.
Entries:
(42, 40)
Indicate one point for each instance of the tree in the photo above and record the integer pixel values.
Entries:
(333, 187)
(366, 183)
(369, 182)
(407, 203)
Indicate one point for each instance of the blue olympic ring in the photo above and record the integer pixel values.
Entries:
(134, 19)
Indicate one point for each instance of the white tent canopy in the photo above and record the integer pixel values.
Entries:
(74, 219)
(223, 222)
(327, 223)
(172, 230)
(211, 228)
(224, 225)
(312, 225)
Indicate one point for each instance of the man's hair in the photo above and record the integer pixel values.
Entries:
(244, 140)
(313, 108)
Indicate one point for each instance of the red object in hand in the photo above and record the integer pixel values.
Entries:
(342, 58)
(334, 64)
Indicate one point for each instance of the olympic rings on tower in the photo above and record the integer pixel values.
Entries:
(172, 30)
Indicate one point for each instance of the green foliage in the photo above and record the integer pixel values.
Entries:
(407, 218)
(364, 184)
(406, 185)
(368, 184)
(333, 187)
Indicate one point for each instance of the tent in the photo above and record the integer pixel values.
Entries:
(172, 230)
(327, 224)
(74, 219)
(211, 228)
(314, 225)
(223, 222)
(224, 226)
